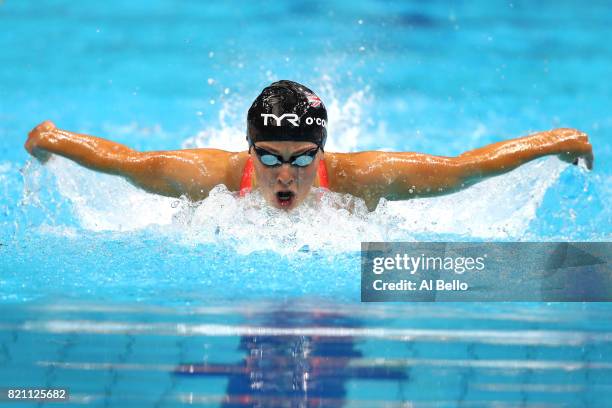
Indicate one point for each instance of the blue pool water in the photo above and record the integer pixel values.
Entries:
(130, 299)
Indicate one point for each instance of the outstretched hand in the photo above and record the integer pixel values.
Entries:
(33, 144)
(575, 146)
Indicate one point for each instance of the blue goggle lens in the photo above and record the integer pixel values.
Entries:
(272, 160)
(269, 160)
(303, 160)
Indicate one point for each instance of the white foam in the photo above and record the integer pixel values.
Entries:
(5, 167)
(501, 207)
(102, 202)
(228, 133)
(346, 117)
(336, 222)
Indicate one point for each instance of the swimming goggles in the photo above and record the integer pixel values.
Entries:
(274, 160)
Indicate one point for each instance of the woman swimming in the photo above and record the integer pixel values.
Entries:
(286, 134)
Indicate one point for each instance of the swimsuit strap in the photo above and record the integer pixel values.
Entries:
(247, 176)
(322, 173)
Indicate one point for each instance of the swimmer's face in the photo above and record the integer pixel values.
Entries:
(285, 186)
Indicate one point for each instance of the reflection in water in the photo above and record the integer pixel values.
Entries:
(296, 371)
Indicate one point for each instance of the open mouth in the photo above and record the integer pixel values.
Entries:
(285, 198)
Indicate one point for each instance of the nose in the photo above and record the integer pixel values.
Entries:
(285, 175)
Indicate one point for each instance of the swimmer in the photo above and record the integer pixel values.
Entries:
(286, 134)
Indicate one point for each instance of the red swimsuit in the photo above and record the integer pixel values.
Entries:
(247, 176)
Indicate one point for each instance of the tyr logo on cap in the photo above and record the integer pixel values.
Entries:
(291, 118)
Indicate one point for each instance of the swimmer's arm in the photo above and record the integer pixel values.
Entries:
(171, 173)
(403, 175)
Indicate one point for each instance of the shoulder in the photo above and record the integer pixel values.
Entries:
(236, 162)
(231, 164)
(220, 157)
(342, 169)
(352, 161)
(220, 166)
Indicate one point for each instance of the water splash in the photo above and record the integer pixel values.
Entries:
(110, 203)
(335, 222)
(498, 208)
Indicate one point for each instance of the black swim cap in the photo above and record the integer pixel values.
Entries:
(289, 111)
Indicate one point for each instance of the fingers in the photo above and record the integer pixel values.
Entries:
(43, 127)
(587, 154)
(588, 159)
(588, 162)
(578, 147)
(34, 139)
(46, 126)
(41, 156)
(49, 125)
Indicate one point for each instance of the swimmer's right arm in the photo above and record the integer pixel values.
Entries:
(192, 173)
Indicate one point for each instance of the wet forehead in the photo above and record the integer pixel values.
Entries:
(286, 147)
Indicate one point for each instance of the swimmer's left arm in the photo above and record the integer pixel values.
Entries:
(374, 175)
(403, 175)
